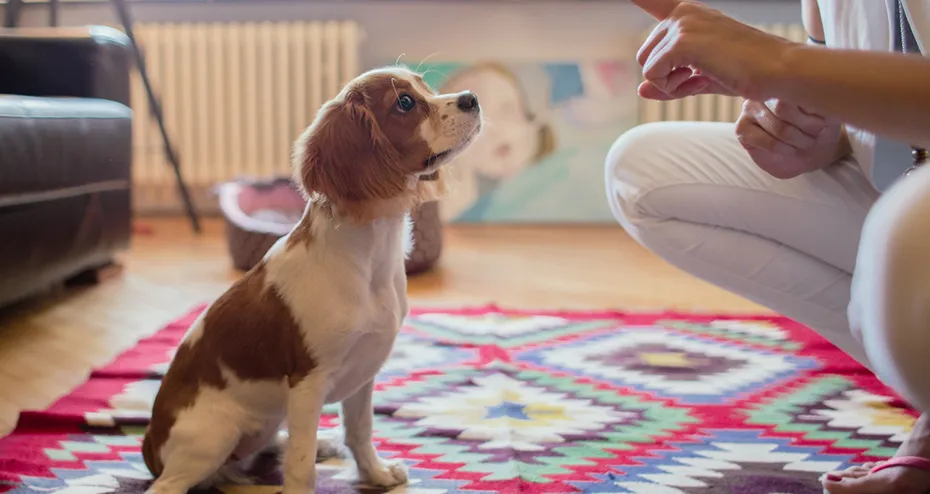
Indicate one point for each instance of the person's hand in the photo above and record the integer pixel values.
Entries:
(697, 50)
(785, 140)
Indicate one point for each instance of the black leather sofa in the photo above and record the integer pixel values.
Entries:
(65, 155)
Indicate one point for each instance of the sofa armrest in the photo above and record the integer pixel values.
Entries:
(87, 62)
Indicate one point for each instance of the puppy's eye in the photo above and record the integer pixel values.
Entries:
(405, 103)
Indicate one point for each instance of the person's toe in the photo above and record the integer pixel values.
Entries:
(854, 471)
(854, 474)
(856, 485)
(892, 480)
(857, 471)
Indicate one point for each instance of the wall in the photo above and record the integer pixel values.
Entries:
(459, 30)
(531, 30)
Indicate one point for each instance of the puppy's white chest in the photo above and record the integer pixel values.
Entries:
(362, 362)
(371, 345)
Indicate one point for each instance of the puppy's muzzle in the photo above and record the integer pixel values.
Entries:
(467, 102)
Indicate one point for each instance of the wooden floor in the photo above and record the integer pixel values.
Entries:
(49, 345)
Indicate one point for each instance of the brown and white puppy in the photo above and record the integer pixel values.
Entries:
(316, 319)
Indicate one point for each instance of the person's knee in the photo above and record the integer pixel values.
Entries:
(890, 308)
(633, 169)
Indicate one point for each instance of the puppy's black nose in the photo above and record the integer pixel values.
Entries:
(468, 102)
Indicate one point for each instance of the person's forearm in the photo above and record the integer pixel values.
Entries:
(884, 93)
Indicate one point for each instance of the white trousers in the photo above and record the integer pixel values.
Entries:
(690, 193)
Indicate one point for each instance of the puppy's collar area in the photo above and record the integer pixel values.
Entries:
(435, 158)
(431, 161)
(440, 157)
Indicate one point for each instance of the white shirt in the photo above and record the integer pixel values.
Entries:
(870, 25)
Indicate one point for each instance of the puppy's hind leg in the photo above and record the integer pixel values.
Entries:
(195, 457)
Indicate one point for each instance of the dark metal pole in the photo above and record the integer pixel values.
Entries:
(122, 11)
(11, 13)
(53, 13)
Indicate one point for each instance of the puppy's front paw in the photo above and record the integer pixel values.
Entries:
(385, 474)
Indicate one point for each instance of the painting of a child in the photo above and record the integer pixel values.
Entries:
(547, 130)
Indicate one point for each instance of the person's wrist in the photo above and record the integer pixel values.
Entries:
(778, 75)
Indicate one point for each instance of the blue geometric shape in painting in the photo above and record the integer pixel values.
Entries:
(565, 80)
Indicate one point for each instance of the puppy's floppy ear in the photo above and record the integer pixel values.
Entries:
(344, 155)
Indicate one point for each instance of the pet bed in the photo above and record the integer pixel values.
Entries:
(258, 213)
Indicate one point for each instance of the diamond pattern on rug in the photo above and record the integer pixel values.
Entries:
(836, 410)
(685, 367)
(498, 411)
(493, 401)
(509, 425)
(731, 462)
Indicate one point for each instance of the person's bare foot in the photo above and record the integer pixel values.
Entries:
(893, 480)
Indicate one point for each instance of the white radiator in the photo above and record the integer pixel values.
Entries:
(711, 108)
(235, 96)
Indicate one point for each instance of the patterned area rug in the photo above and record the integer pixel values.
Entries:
(490, 401)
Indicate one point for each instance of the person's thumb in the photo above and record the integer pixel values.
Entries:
(660, 9)
(648, 90)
